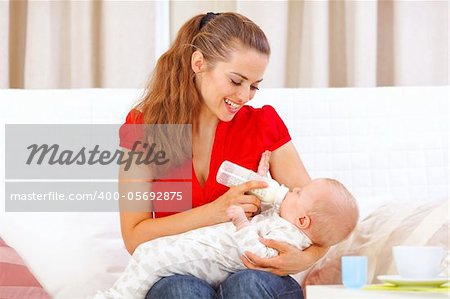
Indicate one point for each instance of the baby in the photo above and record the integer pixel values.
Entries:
(323, 212)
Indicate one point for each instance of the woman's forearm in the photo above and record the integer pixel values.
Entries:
(148, 228)
(136, 221)
(312, 254)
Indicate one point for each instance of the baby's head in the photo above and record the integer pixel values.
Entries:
(323, 209)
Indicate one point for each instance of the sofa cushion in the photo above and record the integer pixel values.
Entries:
(393, 224)
(16, 280)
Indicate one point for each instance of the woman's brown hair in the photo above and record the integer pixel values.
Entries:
(171, 96)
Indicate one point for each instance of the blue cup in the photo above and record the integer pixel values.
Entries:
(354, 271)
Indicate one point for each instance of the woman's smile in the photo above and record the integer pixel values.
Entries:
(231, 106)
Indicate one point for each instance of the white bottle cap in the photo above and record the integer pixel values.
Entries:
(280, 194)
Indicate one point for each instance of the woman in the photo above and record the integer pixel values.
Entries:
(213, 68)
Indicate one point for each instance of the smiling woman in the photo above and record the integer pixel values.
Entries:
(232, 82)
(205, 79)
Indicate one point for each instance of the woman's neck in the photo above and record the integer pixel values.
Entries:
(205, 123)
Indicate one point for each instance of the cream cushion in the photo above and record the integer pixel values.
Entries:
(393, 224)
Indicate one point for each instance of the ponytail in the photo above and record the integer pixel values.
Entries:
(171, 96)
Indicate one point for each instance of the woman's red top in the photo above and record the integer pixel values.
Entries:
(241, 140)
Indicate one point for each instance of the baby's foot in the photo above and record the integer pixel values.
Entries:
(237, 216)
(263, 167)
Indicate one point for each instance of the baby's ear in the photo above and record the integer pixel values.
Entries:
(303, 222)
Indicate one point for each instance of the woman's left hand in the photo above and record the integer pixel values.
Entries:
(290, 260)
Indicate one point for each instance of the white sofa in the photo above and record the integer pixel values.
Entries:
(384, 144)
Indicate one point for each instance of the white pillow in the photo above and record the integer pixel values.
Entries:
(71, 254)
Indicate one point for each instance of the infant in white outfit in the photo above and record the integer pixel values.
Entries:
(323, 212)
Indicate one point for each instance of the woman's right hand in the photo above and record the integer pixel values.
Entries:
(236, 196)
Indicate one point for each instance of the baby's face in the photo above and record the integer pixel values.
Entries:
(333, 208)
(291, 205)
(300, 200)
(295, 204)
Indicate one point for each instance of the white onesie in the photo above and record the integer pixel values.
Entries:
(210, 253)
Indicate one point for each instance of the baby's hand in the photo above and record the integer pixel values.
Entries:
(263, 167)
(237, 216)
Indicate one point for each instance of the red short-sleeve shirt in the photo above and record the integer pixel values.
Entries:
(241, 140)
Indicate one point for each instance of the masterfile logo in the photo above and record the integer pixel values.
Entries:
(76, 168)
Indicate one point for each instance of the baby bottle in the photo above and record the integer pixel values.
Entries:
(230, 174)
